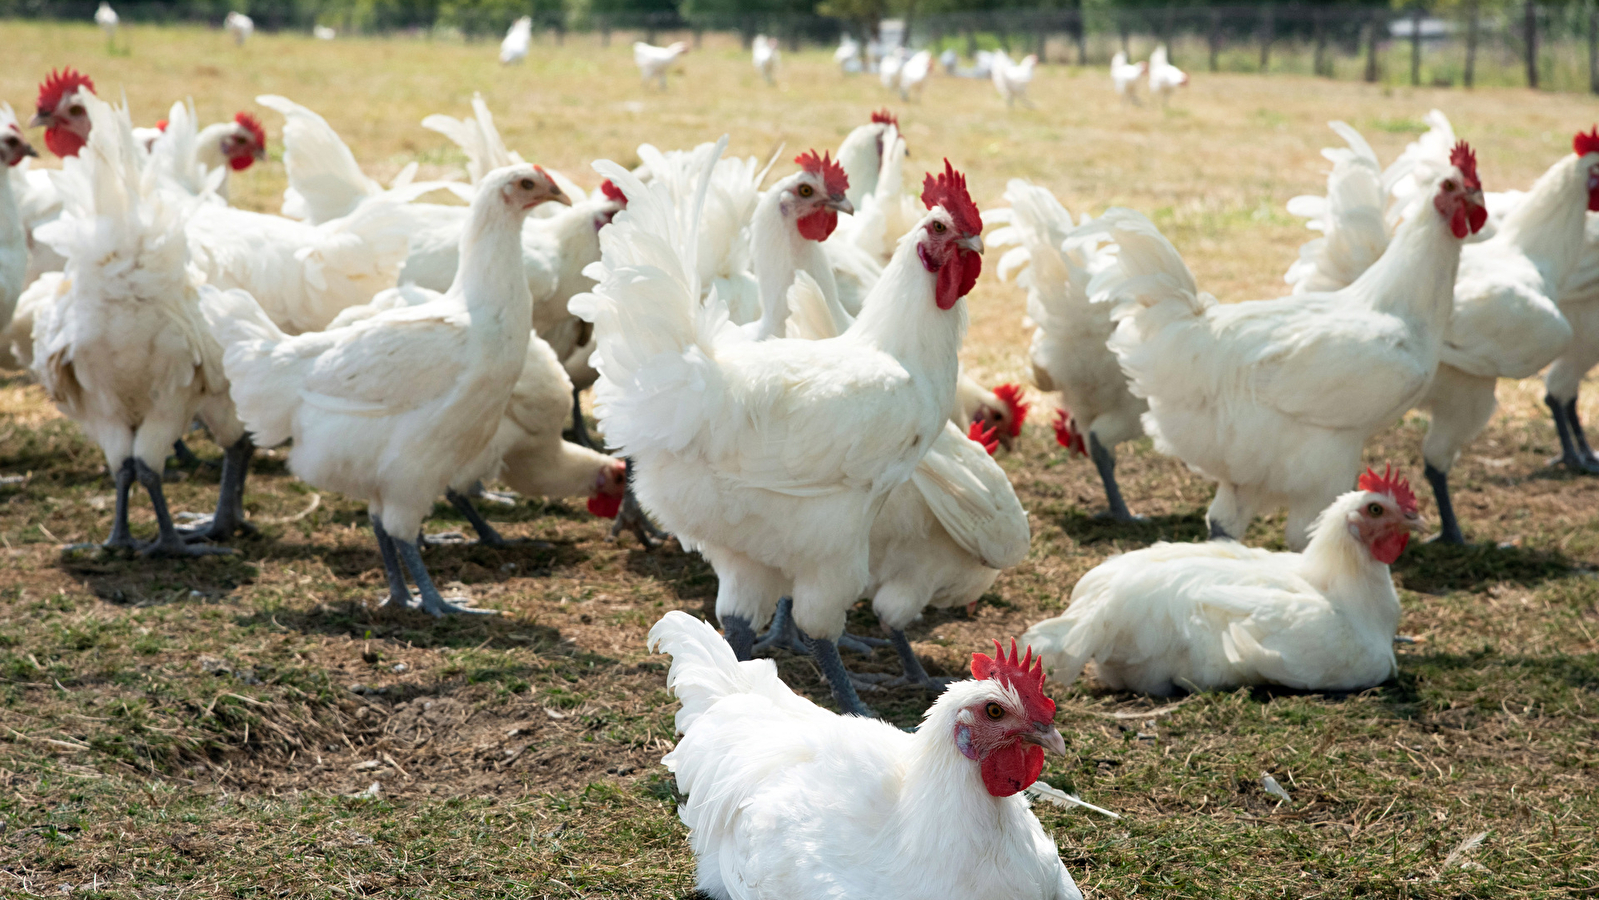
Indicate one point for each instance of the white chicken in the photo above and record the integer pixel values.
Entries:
(188, 158)
(1217, 615)
(117, 340)
(1275, 399)
(1579, 303)
(391, 408)
(1164, 78)
(323, 32)
(60, 110)
(108, 20)
(1125, 76)
(848, 55)
(787, 801)
(239, 25)
(913, 75)
(1069, 351)
(517, 38)
(770, 458)
(1011, 79)
(888, 67)
(1506, 321)
(765, 54)
(14, 148)
(861, 154)
(653, 62)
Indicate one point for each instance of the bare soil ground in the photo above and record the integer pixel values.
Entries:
(216, 727)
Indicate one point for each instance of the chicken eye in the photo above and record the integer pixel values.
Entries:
(940, 227)
(806, 190)
(527, 184)
(75, 111)
(1449, 185)
(1374, 510)
(994, 711)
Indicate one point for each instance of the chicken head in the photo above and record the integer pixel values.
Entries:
(525, 187)
(610, 484)
(814, 196)
(1587, 144)
(618, 202)
(1005, 420)
(14, 148)
(61, 111)
(1386, 516)
(1459, 196)
(1006, 728)
(244, 143)
(951, 243)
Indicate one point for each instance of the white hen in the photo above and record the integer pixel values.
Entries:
(787, 801)
(913, 75)
(1011, 79)
(517, 38)
(1125, 76)
(654, 62)
(392, 408)
(1164, 78)
(14, 148)
(765, 56)
(1217, 615)
(239, 25)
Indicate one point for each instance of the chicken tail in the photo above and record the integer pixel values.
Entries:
(325, 181)
(1062, 646)
(1350, 218)
(1148, 272)
(477, 137)
(263, 384)
(1056, 275)
(704, 669)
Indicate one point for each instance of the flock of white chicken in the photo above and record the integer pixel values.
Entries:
(778, 374)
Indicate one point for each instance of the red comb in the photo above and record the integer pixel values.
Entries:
(161, 125)
(1025, 675)
(1390, 484)
(833, 177)
(983, 436)
(253, 125)
(884, 117)
(1011, 396)
(1464, 159)
(1586, 143)
(949, 191)
(58, 85)
(613, 192)
(1066, 433)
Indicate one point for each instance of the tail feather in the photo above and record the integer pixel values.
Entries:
(1055, 273)
(1425, 160)
(1350, 218)
(704, 669)
(1061, 645)
(1148, 270)
(264, 384)
(325, 181)
(477, 137)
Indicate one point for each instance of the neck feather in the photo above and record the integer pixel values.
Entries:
(1547, 226)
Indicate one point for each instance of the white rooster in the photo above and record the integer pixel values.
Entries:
(14, 148)
(765, 54)
(1011, 79)
(514, 47)
(393, 407)
(653, 62)
(1217, 615)
(787, 801)
(239, 25)
(117, 341)
(1125, 76)
(1069, 351)
(1164, 78)
(1275, 399)
(772, 457)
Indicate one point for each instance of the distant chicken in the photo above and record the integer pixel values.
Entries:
(14, 148)
(117, 341)
(1125, 76)
(769, 457)
(323, 32)
(1164, 78)
(514, 47)
(187, 157)
(1275, 399)
(1069, 351)
(391, 408)
(1506, 321)
(1011, 79)
(239, 25)
(1218, 615)
(848, 55)
(913, 75)
(108, 20)
(888, 67)
(653, 62)
(787, 801)
(766, 55)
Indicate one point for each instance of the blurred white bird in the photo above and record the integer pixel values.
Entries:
(874, 54)
(1164, 78)
(949, 61)
(323, 33)
(514, 47)
(913, 74)
(240, 26)
(1011, 79)
(106, 18)
(888, 67)
(848, 54)
(1217, 615)
(14, 148)
(765, 52)
(1126, 75)
(653, 62)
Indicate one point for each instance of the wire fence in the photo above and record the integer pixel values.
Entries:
(1553, 47)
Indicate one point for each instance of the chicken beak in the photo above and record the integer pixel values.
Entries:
(972, 242)
(260, 154)
(561, 198)
(40, 119)
(27, 150)
(1418, 524)
(840, 203)
(1045, 735)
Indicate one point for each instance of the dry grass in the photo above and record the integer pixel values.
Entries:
(199, 728)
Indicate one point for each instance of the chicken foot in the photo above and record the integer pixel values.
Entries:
(228, 520)
(580, 431)
(1450, 532)
(1575, 454)
(914, 674)
(399, 594)
(838, 678)
(1105, 462)
(121, 537)
(785, 634)
(740, 635)
(631, 518)
(169, 542)
(432, 602)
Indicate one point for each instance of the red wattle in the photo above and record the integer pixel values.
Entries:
(605, 506)
(1387, 548)
(1010, 770)
(818, 225)
(63, 142)
(956, 277)
(1593, 199)
(240, 163)
(1479, 217)
(1457, 222)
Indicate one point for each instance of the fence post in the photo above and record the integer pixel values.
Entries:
(1471, 43)
(971, 42)
(1266, 24)
(1082, 40)
(1373, 28)
(1415, 47)
(1593, 48)
(605, 31)
(1531, 25)
(1319, 66)
(1215, 38)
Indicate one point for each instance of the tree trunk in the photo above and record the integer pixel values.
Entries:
(1082, 41)
(1215, 39)
(1319, 67)
(1415, 47)
(1373, 34)
(605, 32)
(971, 43)
(1042, 42)
(1471, 43)
(1593, 48)
(1266, 27)
(1531, 26)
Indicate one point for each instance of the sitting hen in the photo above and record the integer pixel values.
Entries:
(787, 801)
(1217, 615)
(395, 406)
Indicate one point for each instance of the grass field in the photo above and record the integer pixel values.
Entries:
(215, 728)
